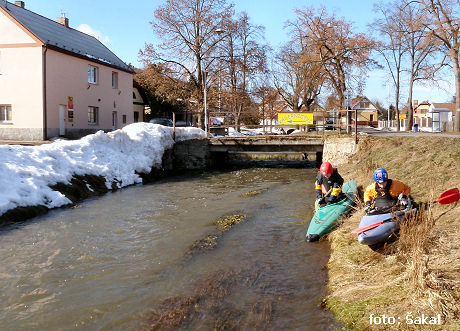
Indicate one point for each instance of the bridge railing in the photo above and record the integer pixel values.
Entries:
(330, 120)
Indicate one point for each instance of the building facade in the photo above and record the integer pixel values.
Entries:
(57, 81)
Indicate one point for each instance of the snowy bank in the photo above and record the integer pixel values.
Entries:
(28, 173)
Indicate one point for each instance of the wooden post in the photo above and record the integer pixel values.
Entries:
(356, 126)
(324, 127)
(174, 126)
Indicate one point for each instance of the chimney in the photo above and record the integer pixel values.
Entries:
(63, 21)
(19, 4)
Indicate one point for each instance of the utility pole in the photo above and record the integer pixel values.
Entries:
(348, 114)
(389, 106)
(205, 102)
(219, 32)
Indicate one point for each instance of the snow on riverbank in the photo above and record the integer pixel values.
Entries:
(26, 173)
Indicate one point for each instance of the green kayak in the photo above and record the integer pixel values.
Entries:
(326, 218)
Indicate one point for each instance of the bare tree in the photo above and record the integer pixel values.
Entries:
(187, 29)
(443, 23)
(299, 74)
(392, 47)
(261, 91)
(345, 56)
(421, 49)
(157, 80)
(245, 57)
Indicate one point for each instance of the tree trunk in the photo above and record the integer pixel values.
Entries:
(398, 127)
(457, 92)
(410, 111)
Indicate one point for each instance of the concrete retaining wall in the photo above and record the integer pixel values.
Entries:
(188, 155)
(338, 150)
(195, 155)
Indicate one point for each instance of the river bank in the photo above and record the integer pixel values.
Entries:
(415, 282)
(36, 179)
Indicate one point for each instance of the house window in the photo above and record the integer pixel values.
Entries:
(364, 104)
(114, 79)
(93, 115)
(134, 95)
(5, 114)
(136, 116)
(93, 74)
(124, 119)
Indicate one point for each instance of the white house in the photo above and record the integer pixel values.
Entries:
(367, 113)
(441, 115)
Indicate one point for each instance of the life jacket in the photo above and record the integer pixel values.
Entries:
(325, 184)
(384, 199)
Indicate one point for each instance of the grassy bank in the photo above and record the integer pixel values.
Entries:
(418, 275)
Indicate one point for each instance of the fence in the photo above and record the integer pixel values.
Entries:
(424, 124)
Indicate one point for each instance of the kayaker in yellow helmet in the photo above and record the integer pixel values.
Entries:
(385, 192)
(328, 185)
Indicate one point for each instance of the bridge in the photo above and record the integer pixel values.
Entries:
(205, 153)
(268, 144)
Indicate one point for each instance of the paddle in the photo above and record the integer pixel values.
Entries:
(445, 198)
(449, 196)
(325, 196)
(374, 225)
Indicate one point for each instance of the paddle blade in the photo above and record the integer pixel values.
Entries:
(449, 196)
(367, 227)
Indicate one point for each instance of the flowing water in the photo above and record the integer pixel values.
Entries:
(120, 261)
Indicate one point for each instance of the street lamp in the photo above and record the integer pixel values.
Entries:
(204, 74)
(205, 103)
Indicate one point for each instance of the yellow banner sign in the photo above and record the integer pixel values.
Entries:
(295, 118)
(402, 116)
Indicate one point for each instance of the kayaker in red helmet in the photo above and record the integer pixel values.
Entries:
(385, 193)
(328, 185)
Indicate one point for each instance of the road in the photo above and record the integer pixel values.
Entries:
(375, 132)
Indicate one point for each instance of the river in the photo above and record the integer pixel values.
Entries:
(120, 261)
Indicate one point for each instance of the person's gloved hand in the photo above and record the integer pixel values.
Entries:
(403, 200)
(367, 207)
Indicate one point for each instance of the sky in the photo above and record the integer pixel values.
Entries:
(123, 26)
(29, 171)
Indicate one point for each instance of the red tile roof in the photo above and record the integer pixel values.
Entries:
(449, 106)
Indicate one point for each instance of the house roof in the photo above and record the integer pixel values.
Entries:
(423, 104)
(448, 106)
(57, 36)
(355, 102)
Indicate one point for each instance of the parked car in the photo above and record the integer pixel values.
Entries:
(161, 121)
(183, 123)
(329, 127)
(215, 121)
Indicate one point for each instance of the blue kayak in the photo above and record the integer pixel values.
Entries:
(381, 233)
(327, 218)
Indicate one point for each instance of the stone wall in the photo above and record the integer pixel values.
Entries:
(188, 155)
(338, 150)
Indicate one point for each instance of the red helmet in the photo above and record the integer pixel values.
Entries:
(326, 169)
